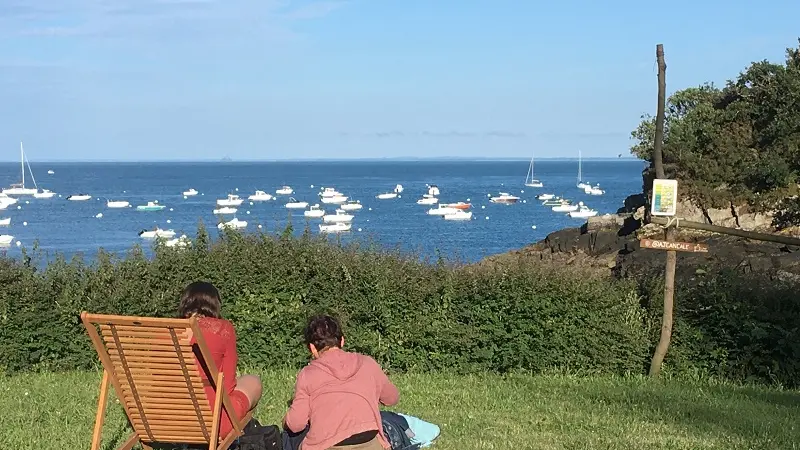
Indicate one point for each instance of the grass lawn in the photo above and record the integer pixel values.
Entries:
(56, 411)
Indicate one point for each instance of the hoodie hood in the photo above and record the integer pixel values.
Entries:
(340, 364)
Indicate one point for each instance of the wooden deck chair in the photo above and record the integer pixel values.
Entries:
(151, 364)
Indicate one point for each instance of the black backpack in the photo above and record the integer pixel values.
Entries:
(259, 437)
(396, 430)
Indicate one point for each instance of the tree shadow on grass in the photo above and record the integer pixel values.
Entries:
(748, 413)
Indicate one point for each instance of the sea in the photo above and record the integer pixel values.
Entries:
(69, 228)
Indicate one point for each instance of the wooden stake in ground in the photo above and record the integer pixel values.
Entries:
(672, 257)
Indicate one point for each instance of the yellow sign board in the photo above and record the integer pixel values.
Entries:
(665, 198)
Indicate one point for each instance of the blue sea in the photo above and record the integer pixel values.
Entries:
(66, 227)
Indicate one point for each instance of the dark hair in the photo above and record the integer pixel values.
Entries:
(324, 332)
(200, 298)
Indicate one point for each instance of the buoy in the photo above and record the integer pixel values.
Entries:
(27, 202)
(124, 192)
(468, 199)
(359, 229)
(99, 215)
(19, 207)
(59, 195)
(170, 210)
(169, 221)
(483, 206)
(184, 197)
(24, 224)
(248, 212)
(237, 189)
(367, 220)
(370, 209)
(521, 192)
(489, 195)
(524, 201)
(533, 226)
(19, 244)
(487, 217)
(312, 186)
(251, 203)
(259, 227)
(155, 201)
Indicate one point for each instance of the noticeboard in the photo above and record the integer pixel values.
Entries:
(665, 197)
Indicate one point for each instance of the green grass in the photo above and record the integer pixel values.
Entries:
(56, 411)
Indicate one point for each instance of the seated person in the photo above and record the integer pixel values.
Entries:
(338, 394)
(202, 300)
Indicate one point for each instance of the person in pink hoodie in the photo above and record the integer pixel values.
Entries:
(338, 394)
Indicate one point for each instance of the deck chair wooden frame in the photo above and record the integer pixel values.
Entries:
(151, 363)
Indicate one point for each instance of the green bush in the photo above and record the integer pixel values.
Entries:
(408, 314)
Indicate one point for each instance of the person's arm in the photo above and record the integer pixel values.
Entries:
(389, 395)
(300, 409)
(230, 358)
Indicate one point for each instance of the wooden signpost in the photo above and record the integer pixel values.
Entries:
(675, 246)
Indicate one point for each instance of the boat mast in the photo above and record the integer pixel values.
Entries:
(22, 163)
(29, 169)
(580, 175)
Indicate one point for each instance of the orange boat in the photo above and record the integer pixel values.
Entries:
(459, 205)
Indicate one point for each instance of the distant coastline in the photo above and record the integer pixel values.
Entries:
(326, 160)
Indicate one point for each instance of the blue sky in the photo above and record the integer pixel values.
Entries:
(283, 79)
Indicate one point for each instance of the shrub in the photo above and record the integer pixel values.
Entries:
(408, 314)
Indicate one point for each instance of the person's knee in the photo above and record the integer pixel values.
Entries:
(251, 386)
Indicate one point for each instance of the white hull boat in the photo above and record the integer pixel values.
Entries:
(44, 194)
(442, 211)
(157, 233)
(181, 242)
(5, 222)
(529, 180)
(232, 200)
(460, 215)
(433, 190)
(6, 240)
(504, 198)
(234, 224)
(79, 197)
(190, 193)
(50, 172)
(351, 206)
(583, 212)
(294, 204)
(20, 189)
(337, 200)
(386, 196)
(117, 204)
(260, 196)
(339, 217)
(225, 210)
(329, 192)
(594, 190)
(150, 206)
(285, 190)
(315, 212)
(428, 199)
(335, 228)
(545, 197)
(565, 207)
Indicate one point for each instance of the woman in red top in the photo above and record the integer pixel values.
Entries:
(201, 299)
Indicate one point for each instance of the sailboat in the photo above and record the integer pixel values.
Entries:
(529, 180)
(581, 184)
(20, 189)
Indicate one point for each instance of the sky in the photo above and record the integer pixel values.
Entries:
(282, 79)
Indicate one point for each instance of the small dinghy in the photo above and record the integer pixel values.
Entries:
(233, 224)
(79, 197)
(157, 233)
(150, 206)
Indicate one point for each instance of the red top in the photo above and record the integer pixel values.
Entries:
(220, 339)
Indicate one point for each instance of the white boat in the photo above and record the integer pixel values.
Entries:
(545, 197)
(294, 204)
(190, 193)
(20, 189)
(5, 222)
(234, 223)
(581, 184)
(117, 204)
(442, 210)
(505, 198)
(315, 212)
(50, 172)
(157, 233)
(150, 206)
(225, 210)
(340, 227)
(44, 193)
(181, 242)
(398, 189)
(566, 206)
(459, 215)
(594, 190)
(285, 190)
(6, 201)
(529, 180)
(552, 202)
(428, 199)
(6, 240)
(339, 217)
(260, 196)
(583, 212)
(329, 192)
(386, 196)
(336, 200)
(231, 200)
(352, 206)
(79, 197)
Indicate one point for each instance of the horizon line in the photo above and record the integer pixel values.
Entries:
(290, 160)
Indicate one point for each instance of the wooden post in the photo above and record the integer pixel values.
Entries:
(672, 257)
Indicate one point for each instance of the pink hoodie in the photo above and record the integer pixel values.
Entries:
(339, 395)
